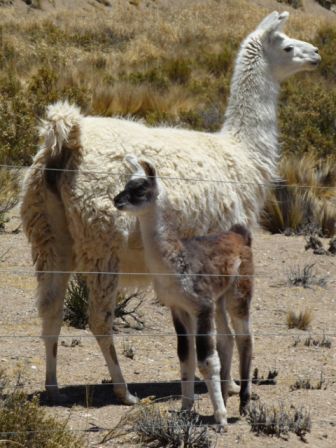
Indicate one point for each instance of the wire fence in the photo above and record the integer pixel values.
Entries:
(279, 183)
(241, 426)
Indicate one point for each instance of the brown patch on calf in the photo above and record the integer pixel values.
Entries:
(204, 342)
(182, 340)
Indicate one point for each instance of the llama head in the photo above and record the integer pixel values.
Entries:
(141, 191)
(283, 55)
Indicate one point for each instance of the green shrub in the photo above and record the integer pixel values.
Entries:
(18, 135)
(178, 70)
(307, 117)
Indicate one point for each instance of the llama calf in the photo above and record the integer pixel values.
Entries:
(202, 280)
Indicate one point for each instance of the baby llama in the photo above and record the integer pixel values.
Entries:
(67, 211)
(202, 280)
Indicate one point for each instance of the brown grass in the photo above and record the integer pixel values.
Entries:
(306, 196)
(166, 62)
(301, 320)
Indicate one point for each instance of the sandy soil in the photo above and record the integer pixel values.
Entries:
(154, 369)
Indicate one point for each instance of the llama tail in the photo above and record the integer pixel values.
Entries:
(244, 232)
(55, 130)
(59, 132)
(41, 203)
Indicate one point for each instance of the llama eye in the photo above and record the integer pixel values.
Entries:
(288, 49)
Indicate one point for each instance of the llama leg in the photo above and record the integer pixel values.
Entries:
(225, 348)
(244, 340)
(51, 292)
(185, 330)
(209, 364)
(103, 290)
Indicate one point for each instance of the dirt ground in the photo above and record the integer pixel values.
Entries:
(154, 370)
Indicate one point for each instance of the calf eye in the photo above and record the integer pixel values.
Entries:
(288, 49)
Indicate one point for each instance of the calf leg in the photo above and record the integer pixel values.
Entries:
(185, 330)
(103, 290)
(244, 342)
(209, 364)
(225, 344)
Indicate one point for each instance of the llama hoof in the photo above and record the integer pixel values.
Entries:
(233, 389)
(222, 428)
(129, 400)
(221, 420)
(243, 410)
(243, 407)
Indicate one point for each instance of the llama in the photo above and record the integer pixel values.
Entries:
(198, 278)
(66, 208)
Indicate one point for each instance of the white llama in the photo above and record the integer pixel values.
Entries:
(202, 280)
(66, 207)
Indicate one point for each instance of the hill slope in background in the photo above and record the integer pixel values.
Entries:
(309, 6)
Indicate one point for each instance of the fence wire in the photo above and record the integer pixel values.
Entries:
(242, 426)
(279, 183)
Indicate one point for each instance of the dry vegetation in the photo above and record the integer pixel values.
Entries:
(24, 423)
(168, 62)
(279, 421)
(77, 302)
(300, 320)
(154, 425)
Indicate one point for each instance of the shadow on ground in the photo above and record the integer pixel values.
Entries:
(100, 395)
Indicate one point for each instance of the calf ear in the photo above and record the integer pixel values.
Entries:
(148, 169)
(134, 163)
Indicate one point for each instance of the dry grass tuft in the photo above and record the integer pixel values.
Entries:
(126, 99)
(24, 423)
(152, 425)
(305, 276)
(278, 421)
(307, 385)
(300, 320)
(315, 342)
(306, 197)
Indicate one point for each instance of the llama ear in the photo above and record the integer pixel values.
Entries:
(273, 22)
(148, 169)
(133, 161)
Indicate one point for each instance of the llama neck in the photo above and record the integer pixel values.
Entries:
(159, 238)
(251, 114)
